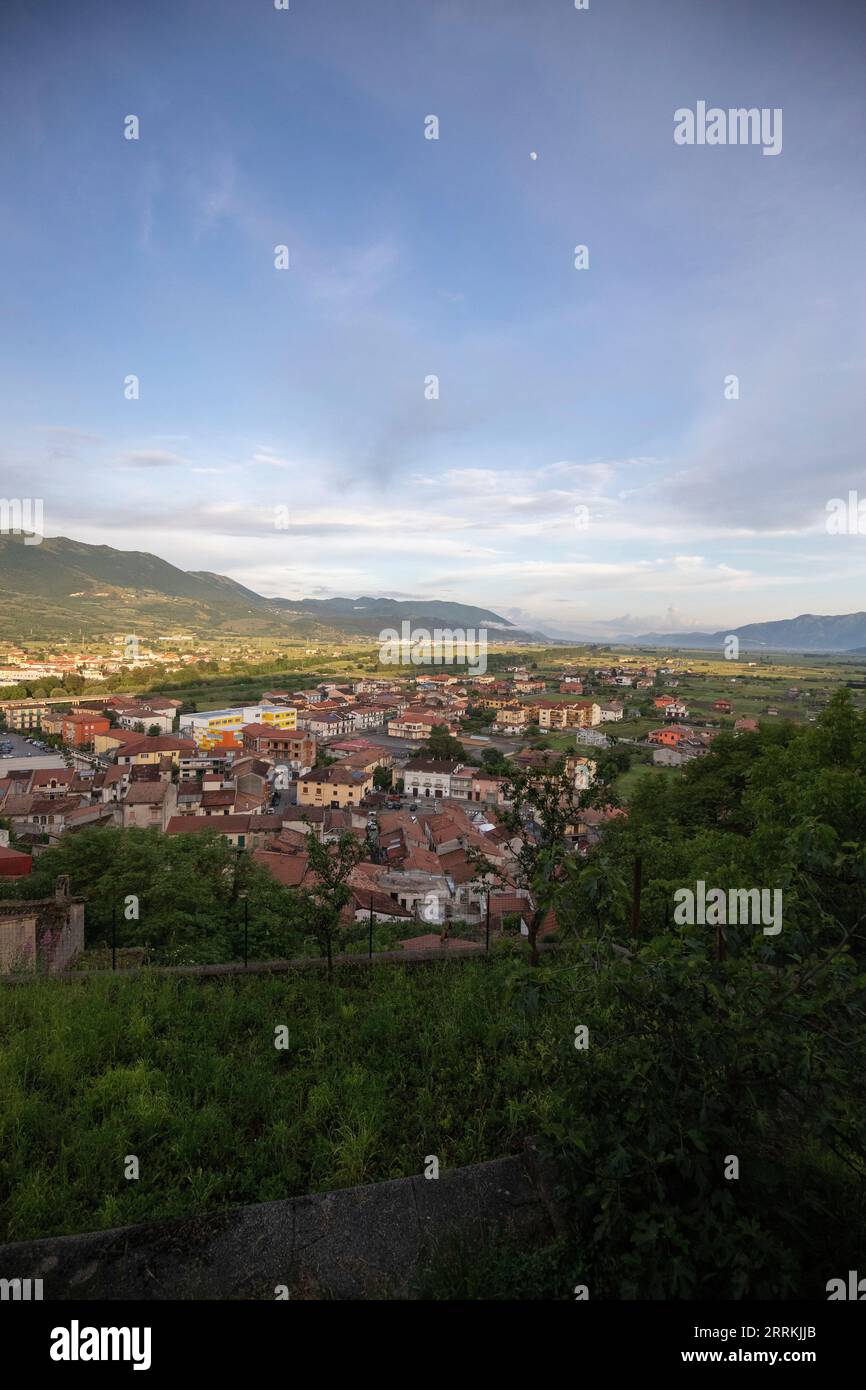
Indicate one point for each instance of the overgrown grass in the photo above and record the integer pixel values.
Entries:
(684, 1062)
(383, 1069)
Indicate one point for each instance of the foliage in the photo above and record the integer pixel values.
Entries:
(330, 866)
(442, 746)
(187, 889)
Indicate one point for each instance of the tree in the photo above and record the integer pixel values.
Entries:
(494, 761)
(441, 747)
(382, 779)
(542, 806)
(330, 866)
(154, 731)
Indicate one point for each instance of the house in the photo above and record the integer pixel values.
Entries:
(14, 864)
(148, 805)
(746, 726)
(290, 870)
(584, 714)
(338, 786)
(511, 719)
(722, 706)
(242, 832)
(669, 737)
(329, 724)
(367, 716)
(488, 789)
(685, 751)
(142, 749)
(676, 710)
(553, 715)
(426, 777)
(611, 713)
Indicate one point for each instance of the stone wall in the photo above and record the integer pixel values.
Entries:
(357, 1243)
(42, 933)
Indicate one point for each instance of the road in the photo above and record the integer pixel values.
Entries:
(401, 749)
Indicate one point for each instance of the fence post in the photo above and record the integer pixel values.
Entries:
(487, 923)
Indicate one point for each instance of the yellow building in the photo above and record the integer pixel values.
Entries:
(210, 727)
(334, 786)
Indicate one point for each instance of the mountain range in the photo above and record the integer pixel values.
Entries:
(844, 633)
(63, 588)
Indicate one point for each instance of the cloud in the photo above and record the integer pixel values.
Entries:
(150, 458)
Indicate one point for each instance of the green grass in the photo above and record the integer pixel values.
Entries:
(627, 782)
(387, 1067)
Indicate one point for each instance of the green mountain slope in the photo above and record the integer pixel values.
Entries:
(62, 587)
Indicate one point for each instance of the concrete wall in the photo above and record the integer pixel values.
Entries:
(358, 1243)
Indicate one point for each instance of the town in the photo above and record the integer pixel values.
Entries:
(418, 769)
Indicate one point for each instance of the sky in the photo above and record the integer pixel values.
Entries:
(587, 467)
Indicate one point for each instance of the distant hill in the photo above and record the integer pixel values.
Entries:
(368, 615)
(62, 587)
(810, 632)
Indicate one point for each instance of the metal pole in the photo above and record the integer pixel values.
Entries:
(487, 927)
(114, 938)
(246, 930)
(371, 928)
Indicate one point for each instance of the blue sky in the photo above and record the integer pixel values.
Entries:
(299, 394)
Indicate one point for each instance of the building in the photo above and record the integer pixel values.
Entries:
(552, 716)
(426, 777)
(685, 752)
(14, 864)
(669, 737)
(149, 805)
(79, 730)
(330, 724)
(294, 747)
(338, 786)
(241, 831)
(585, 714)
(141, 750)
(210, 727)
(592, 737)
(611, 713)
(511, 719)
(24, 716)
